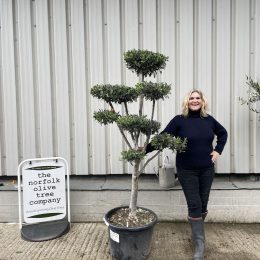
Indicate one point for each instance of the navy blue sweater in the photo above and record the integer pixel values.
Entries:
(200, 132)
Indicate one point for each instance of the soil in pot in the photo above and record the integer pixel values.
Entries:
(121, 218)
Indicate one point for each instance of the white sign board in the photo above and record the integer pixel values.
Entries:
(44, 191)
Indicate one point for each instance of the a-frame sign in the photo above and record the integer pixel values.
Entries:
(43, 196)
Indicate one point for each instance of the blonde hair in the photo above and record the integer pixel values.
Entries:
(185, 104)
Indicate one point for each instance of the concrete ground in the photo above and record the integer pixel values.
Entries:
(171, 241)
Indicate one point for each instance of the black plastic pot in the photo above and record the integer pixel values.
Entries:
(133, 243)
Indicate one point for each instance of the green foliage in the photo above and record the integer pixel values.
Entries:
(144, 62)
(114, 93)
(136, 123)
(132, 155)
(164, 140)
(106, 116)
(253, 94)
(153, 91)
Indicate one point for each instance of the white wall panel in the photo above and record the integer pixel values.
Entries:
(241, 69)
(203, 37)
(252, 116)
(79, 88)
(43, 80)
(114, 54)
(130, 14)
(222, 96)
(8, 91)
(185, 14)
(150, 21)
(96, 77)
(131, 34)
(169, 108)
(26, 82)
(60, 81)
(53, 52)
(256, 72)
(133, 29)
(149, 24)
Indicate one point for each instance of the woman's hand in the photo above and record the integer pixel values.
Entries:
(215, 156)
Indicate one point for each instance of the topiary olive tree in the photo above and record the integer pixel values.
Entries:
(253, 94)
(144, 63)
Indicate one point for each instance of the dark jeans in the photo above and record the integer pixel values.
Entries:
(196, 186)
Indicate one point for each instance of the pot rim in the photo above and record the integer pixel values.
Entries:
(149, 225)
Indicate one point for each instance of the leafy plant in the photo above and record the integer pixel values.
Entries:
(143, 63)
(106, 116)
(253, 94)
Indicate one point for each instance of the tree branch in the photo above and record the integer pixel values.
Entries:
(127, 113)
(141, 103)
(136, 139)
(126, 108)
(148, 136)
(148, 162)
(111, 106)
(153, 108)
(123, 134)
(121, 131)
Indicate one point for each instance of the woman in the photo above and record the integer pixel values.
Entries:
(195, 167)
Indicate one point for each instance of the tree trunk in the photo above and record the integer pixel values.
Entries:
(134, 190)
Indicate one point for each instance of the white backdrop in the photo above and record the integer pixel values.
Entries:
(52, 52)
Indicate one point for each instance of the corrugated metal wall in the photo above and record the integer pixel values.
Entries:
(52, 52)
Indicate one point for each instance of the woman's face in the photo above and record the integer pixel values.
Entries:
(195, 102)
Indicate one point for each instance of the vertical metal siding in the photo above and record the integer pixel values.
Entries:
(25, 77)
(60, 79)
(256, 75)
(99, 152)
(168, 45)
(53, 52)
(252, 117)
(8, 114)
(114, 76)
(43, 79)
(223, 77)
(241, 68)
(78, 87)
